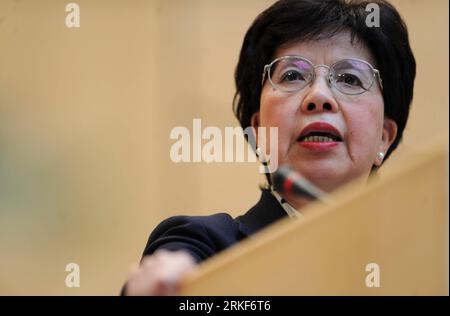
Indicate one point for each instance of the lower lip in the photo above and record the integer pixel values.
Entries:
(318, 146)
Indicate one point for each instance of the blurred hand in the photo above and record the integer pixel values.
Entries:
(160, 273)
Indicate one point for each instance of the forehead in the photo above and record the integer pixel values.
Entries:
(328, 50)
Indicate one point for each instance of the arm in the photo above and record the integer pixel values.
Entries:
(172, 251)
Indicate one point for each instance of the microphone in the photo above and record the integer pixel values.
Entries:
(288, 181)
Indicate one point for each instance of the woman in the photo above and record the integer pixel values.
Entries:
(339, 92)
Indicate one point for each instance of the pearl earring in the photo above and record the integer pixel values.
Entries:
(380, 156)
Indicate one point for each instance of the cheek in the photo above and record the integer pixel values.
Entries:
(364, 131)
(279, 111)
(272, 108)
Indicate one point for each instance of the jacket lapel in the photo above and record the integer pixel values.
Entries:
(264, 213)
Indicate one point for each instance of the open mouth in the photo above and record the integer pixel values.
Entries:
(319, 136)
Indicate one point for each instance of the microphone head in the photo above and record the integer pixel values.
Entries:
(287, 180)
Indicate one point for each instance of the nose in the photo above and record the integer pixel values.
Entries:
(319, 97)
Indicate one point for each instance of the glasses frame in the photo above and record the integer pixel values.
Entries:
(267, 68)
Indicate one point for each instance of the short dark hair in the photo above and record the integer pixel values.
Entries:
(301, 20)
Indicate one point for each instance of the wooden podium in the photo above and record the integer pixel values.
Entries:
(399, 223)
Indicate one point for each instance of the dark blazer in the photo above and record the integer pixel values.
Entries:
(204, 236)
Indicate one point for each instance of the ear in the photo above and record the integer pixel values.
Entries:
(387, 138)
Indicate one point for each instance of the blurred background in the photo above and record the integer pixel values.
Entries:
(85, 117)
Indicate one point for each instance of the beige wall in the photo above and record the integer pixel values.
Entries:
(85, 116)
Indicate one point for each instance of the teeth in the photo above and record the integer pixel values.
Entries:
(318, 139)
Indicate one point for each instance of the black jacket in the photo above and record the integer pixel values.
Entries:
(205, 236)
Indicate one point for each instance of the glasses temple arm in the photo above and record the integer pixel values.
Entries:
(380, 81)
(266, 67)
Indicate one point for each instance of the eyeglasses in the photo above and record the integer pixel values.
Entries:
(293, 73)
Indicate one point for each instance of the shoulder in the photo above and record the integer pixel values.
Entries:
(214, 224)
(202, 236)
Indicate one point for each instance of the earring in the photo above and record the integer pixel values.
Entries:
(380, 156)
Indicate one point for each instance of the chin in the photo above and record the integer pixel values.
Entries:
(326, 176)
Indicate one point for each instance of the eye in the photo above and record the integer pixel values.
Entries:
(349, 79)
(292, 75)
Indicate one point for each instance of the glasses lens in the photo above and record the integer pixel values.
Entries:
(291, 74)
(352, 76)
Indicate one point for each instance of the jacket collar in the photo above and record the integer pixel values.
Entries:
(265, 212)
